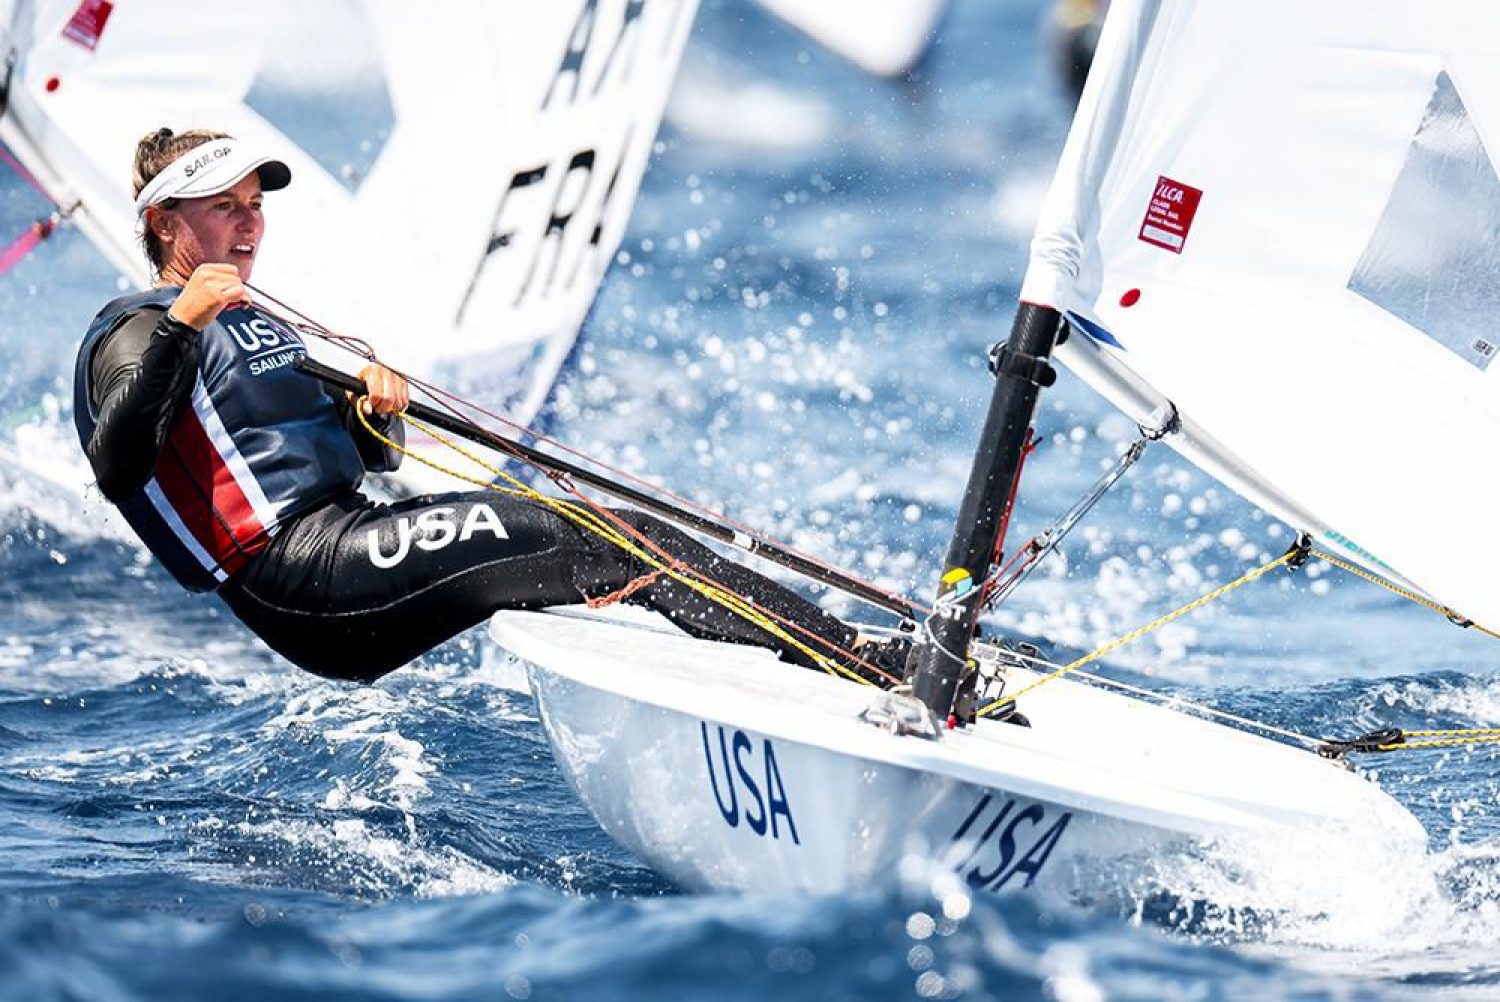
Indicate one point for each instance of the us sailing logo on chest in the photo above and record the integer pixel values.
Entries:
(266, 344)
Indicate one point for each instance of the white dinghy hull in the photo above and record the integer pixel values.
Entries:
(725, 769)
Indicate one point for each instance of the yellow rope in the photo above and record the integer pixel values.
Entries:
(1137, 634)
(1448, 738)
(1407, 593)
(1434, 738)
(1437, 739)
(740, 606)
(1478, 736)
(592, 522)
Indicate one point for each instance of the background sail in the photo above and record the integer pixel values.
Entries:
(885, 37)
(463, 169)
(1283, 217)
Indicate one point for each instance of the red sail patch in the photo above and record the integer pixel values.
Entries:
(87, 23)
(1170, 214)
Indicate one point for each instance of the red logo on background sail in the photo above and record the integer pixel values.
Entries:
(87, 23)
(1170, 214)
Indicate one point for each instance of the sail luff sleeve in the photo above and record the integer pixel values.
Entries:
(1064, 268)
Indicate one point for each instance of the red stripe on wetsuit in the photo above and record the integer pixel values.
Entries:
(200, 487)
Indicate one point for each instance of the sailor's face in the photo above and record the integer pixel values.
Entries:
(220, 229)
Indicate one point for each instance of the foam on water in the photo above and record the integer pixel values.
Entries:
(44, 476)
(350, 856)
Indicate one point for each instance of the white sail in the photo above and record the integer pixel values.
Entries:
(1283, 217)
(790, 784)
(885, 37)
(463, 169)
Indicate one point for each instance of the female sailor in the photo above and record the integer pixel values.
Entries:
(242, 476)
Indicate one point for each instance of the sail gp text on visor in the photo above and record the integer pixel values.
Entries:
(208, 169)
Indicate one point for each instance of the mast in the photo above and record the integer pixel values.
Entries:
(1021, 369)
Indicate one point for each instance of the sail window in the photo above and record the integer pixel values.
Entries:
(1433, 260)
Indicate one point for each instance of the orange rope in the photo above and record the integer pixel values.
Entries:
(644, 581)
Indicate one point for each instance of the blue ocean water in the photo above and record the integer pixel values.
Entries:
(794, 331)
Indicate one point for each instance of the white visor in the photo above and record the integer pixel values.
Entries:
(208, 169)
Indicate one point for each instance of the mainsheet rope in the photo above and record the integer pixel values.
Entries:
(588, 515)
(595, 518)
(606, 524)
(1136, 634)
(452, 403)
(1393, 739)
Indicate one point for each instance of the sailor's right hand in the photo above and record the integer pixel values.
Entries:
(211, 290)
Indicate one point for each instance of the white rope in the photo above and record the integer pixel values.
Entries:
(1044, 665)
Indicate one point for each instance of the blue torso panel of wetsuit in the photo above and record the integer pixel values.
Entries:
(258, 443)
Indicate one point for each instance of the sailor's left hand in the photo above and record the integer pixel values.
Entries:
(385, 391)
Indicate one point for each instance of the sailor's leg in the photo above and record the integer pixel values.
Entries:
(610, 569)
(358, 589)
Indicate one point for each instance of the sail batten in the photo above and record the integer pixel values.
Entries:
(1284, 221)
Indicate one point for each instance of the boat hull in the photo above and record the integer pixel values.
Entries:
(724, 769)
(713, 805)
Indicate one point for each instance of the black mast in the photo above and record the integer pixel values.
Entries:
(1021, 369)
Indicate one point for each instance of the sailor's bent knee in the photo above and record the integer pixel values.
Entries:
(651, 527)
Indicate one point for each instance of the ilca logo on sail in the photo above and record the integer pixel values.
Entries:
(1169, 216)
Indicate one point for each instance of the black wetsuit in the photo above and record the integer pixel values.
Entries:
(350, 588)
